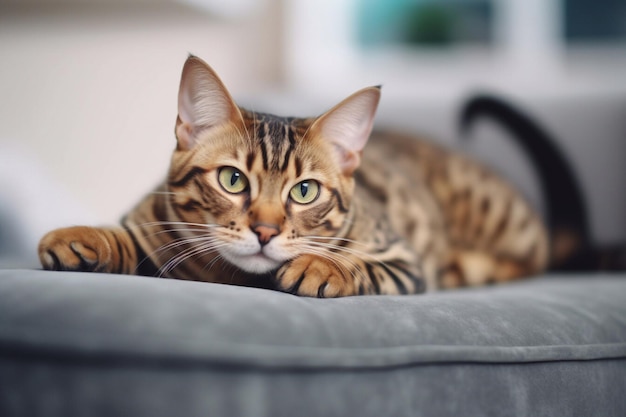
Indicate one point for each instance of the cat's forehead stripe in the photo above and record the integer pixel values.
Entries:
(276, 137)
(261, 139)
(289, 132)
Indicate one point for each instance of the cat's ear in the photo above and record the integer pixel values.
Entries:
(203, 102)
(348, 126)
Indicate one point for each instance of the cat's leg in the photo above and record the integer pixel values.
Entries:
(502, 241)
(467, 267)
(317, 276)
(82, 248)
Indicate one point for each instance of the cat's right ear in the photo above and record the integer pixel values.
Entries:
(348, 126)
(203, 103)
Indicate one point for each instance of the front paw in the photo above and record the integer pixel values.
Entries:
(313, 276)
(75, 249)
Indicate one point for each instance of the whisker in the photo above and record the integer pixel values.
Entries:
(176, 223)
(196, 227)
(338, 260)
(211, 263)
(332, 238)
(175, 261)
(345, 249)
(179, 230)
(186, 240)
(327, 253)
(175, 244)
(339, 251)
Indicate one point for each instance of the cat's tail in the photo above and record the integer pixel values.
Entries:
(566, 209)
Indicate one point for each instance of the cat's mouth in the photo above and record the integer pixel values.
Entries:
(249, 255)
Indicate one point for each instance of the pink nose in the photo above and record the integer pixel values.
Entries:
(265, 232)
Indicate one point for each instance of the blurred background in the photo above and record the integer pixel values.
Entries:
(88, 88)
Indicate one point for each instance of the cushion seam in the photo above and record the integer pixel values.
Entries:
(300, 357)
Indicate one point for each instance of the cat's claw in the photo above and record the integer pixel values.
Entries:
(74, 249)
(313, 276)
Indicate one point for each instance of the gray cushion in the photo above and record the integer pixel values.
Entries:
(95, 344)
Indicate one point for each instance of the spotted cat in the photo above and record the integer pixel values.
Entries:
(302, 205)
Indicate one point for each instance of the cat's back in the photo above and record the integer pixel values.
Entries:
(413, 160)
(398, 156)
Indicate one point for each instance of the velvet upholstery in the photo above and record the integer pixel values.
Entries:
(107, 345)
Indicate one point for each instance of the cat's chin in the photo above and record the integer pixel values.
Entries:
(254, 264)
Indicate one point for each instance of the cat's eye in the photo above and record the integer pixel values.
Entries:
(232, 180)
(305, 192)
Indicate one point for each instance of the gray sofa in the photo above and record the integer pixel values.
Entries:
(79, 344)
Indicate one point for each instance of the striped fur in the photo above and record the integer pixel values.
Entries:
(399, 216)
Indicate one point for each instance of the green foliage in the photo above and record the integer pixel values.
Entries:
(430, 24)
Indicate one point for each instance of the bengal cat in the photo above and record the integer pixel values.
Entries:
(302, 205)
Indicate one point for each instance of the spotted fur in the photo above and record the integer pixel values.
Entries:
(398, 216)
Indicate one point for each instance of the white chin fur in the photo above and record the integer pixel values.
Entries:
(254, 263)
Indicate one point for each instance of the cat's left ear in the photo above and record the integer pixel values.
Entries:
(348, 126)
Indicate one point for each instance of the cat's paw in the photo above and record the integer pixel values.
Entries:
(75, 249)
(313, 276)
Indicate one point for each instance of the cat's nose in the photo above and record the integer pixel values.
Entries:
(265, 232)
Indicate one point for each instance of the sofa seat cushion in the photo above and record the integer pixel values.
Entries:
(147, 346)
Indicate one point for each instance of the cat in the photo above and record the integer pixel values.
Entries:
(303, 206)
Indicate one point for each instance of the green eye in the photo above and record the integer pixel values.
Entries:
(305, 192)
(232, 180)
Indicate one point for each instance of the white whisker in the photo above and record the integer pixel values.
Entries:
(340, 261)
(335, 257)
(176, 244)
(191, 252)
(332, 238)
(180, 230)
(177, 223)
(352, 251)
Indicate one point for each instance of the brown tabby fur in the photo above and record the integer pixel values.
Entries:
(400, 216)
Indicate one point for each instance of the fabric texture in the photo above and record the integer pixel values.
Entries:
(107, 345)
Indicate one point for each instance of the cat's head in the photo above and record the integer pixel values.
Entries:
(271, 188)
